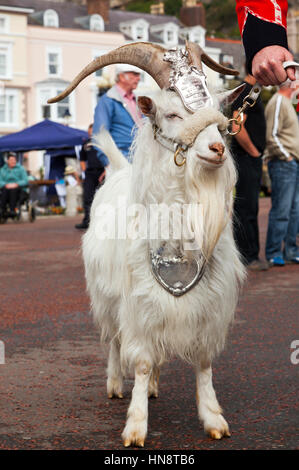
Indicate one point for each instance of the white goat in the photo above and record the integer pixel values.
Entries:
(154, 297)
(144, 323)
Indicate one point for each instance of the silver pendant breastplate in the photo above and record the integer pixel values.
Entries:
(176, 273)
(187, 81)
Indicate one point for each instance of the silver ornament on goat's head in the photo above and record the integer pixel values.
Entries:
(187, 80)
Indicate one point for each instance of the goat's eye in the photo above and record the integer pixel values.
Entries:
(172, 116)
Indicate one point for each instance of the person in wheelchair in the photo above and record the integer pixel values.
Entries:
(13, 181)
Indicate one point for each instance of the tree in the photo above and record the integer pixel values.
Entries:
(172, 7)
(142, 6)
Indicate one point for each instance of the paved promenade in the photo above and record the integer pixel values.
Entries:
(52, 385)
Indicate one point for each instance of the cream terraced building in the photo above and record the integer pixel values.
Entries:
(39, 57)
(45, 43)
(14, 73)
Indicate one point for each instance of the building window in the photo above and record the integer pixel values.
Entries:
(3, 64)
(227, 59)
(194, 34)
(5, 61)
(170, 36)
(55, 111)
(141, 31)
(96, 23)
(197, 35)
(9, 108)
(166, 32)
(45, 109)
(62, 106)
(198, 38)
(54, 62)
(4, 24)
(136, 30)
(51, 19)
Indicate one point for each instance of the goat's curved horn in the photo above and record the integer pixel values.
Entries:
(197, 55)
(146, 56)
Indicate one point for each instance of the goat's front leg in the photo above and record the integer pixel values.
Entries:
(209, 410)
(114, 373)
(135, 430)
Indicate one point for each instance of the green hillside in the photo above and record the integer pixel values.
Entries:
(172, 7)
(221, 18)
(143, 6)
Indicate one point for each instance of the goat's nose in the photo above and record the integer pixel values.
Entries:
(218, 148)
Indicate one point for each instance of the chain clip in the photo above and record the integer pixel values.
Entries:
(249, 101)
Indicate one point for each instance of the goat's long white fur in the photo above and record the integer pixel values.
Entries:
(145, 323)
(104, 142)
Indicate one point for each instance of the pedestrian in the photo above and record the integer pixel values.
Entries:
(247, 148)
(282, 150)
(93, 175)
(73, 190)
(117, 110)
(13, 181)
(263, 27)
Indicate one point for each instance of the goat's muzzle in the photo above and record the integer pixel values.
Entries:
(216, 156)
(217, 148)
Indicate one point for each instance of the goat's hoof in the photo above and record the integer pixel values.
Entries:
(115, 395)
(216, 426)
(114, 388)
(216, 434)
(134, 433)
(134, 441)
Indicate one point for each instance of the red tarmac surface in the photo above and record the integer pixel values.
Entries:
(52, 385)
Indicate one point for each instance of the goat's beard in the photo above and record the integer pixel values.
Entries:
(211, 191)
(208, 192)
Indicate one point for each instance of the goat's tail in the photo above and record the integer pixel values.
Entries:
(106, 144)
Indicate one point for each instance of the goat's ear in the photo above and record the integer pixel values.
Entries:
(146, 106)
(228, 97)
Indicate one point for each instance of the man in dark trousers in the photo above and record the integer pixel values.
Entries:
(247, 148)
(94, 175)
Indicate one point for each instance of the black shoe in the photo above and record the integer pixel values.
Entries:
(258, 265)
(81, 226)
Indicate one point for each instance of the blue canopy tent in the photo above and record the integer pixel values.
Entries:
(43, 136)
(56, 139)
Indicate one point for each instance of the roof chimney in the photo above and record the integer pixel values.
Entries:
(101, 7)
(189, 3)
(157, 8)
(193, 13)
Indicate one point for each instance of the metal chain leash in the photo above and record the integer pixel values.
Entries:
(251, 98)
(249, 101)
